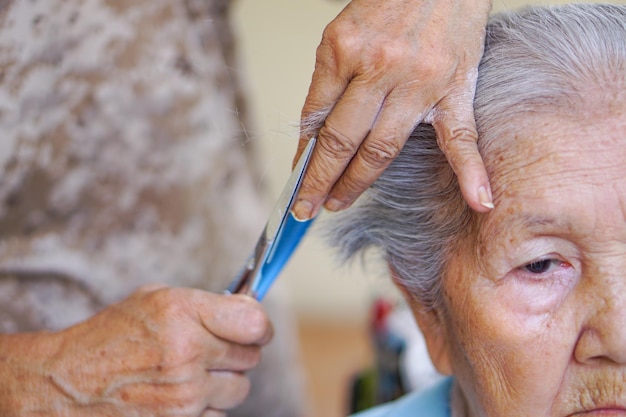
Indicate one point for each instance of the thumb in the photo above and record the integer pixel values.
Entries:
(234, 318)
(457, 137)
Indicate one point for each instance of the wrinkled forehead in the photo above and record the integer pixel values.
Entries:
(560, 168)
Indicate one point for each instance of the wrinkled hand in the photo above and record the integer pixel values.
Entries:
(383, 67)
(161, 352)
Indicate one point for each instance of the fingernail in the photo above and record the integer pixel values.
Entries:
(333, 204)
(484, 197)
(303, 210)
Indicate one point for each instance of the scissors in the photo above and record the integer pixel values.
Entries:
(279, 239)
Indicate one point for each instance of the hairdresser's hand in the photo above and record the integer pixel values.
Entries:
(161, 352)
(383, 67)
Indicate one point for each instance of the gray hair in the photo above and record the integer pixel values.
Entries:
(556, 60)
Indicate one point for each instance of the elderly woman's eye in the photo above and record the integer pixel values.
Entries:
(541, 266)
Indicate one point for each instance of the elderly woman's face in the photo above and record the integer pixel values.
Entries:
(535, 321)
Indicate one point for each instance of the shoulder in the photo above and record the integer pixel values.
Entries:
(431, 402)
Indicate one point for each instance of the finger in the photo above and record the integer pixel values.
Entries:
(337, 142)
(225, 390)
(176, 395)
(224, 356)
(457, 138)
(235, 318)
(187, 393)
(401, 112)
(328, 83)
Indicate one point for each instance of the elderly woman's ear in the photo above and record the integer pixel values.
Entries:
(432, 326)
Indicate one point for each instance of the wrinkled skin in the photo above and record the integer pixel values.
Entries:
(381, 68)
(534, 319)
(160, 352)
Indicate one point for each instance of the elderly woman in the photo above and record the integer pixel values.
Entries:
(524, 307)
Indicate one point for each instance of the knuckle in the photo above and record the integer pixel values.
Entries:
(174, 358)
(379, 153)
(316, 182)
(460, 138)
(331, 33)
(435, 67)
(379, 61)
(167, 303)
(160, 298)
(390, 55)
(324, 55)
(340, 37)
(177, 339)
(335, 144)
(459, 144)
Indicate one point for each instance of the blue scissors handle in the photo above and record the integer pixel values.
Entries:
(291, 234)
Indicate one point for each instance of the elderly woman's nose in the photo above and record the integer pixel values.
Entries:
(603, 334)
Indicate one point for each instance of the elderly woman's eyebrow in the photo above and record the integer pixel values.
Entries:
(538, 220)
(536, 223)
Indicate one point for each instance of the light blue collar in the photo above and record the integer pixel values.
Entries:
(431, 402)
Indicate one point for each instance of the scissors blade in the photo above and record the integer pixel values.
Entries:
(279, 239)
(282, 209)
